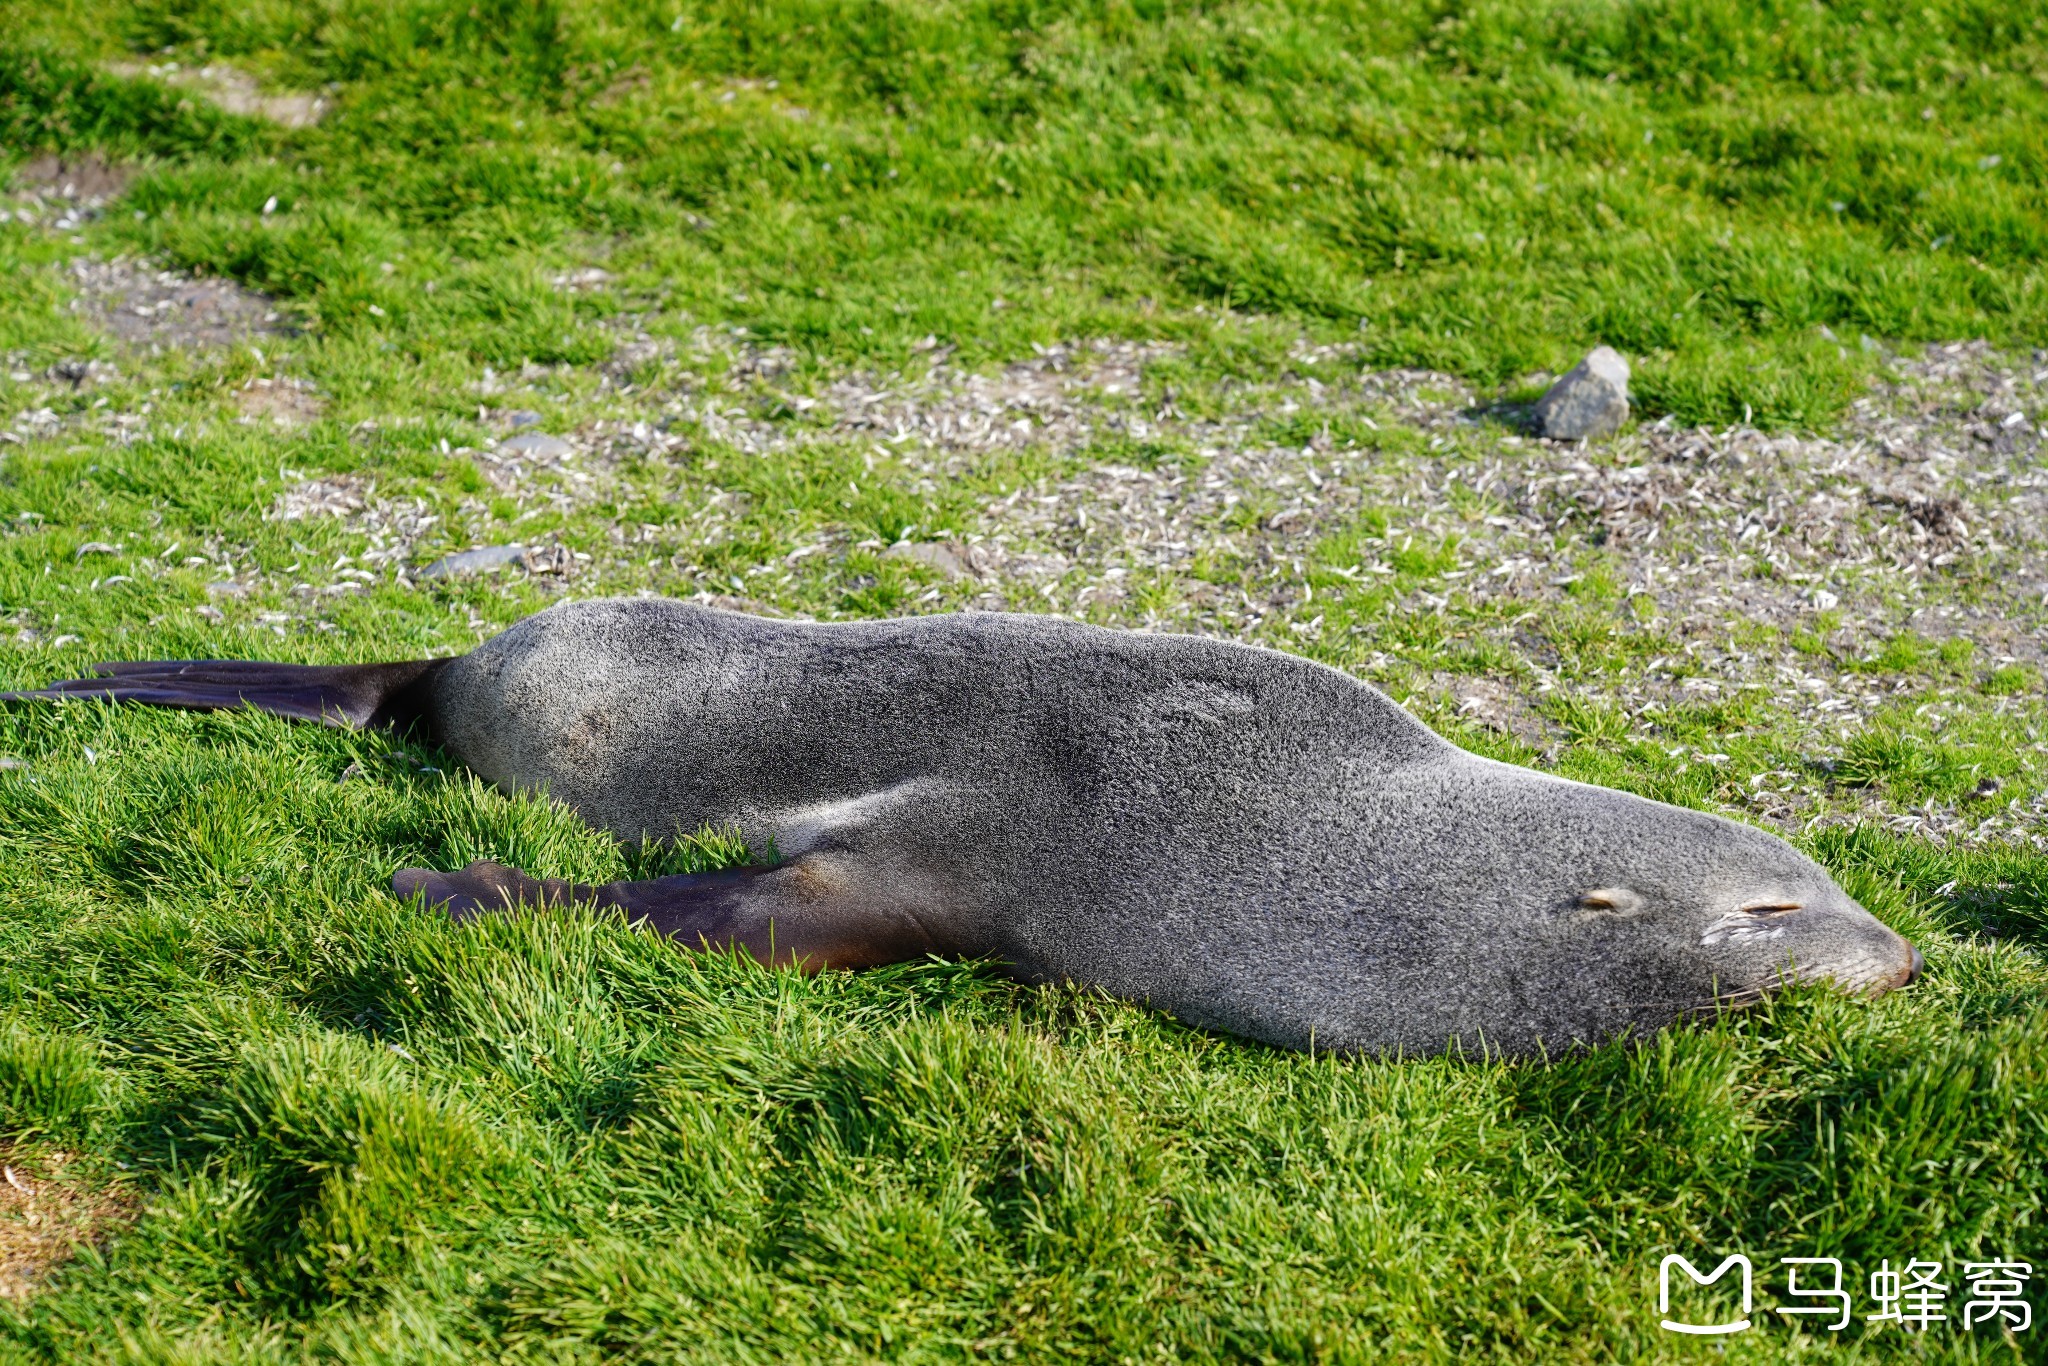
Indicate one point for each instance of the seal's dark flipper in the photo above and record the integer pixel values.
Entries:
(393, 695)
(806, 913)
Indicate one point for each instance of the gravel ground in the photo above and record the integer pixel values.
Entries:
(1923, 510)
(151, 309)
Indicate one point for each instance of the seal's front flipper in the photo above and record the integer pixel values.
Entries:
(814, 912)
(478, 890)
(393, 695)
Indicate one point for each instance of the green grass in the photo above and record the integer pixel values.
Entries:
(358, 1134)
(1485, 187)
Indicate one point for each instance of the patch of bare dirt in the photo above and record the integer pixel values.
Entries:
(91, 180)
(1498, 707)
(64, 193)
(282, 403)
(231, 89)
(47, 1213)
(151, 308)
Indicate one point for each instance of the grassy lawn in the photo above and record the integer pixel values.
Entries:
(1220, 318)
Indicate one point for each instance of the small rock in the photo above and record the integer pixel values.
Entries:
(474, 561)
(1591, 401)
(931, 553)
(536, 446)
(522, 417)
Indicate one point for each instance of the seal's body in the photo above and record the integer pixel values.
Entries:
(1249, 840)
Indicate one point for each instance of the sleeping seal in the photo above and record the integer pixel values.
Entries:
(1248, 840)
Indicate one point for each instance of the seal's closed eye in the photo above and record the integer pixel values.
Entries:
(1771, 908)
(1611, 899)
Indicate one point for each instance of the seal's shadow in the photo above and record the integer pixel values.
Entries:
(1518, 416)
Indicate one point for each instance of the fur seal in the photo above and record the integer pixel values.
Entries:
(1248, 840)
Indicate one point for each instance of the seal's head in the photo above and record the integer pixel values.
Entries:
(1725, 914)
(1568, 914)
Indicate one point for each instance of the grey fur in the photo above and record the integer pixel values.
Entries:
(1245, 839)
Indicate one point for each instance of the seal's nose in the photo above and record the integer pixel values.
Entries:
(1919, 966)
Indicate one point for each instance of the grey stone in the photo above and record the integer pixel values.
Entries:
(1591, 401)
(474, 561)
(522, 417)
(536, 446)
(931, 553)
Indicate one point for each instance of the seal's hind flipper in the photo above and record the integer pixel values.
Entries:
(810, 913)
(393, 695)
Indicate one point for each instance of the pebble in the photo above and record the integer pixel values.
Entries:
(474, 561)
(1591, 401)
(522, 417)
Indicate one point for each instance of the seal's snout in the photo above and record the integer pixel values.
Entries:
(1905, 974)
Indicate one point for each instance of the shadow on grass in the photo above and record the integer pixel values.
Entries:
(1515, 415)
